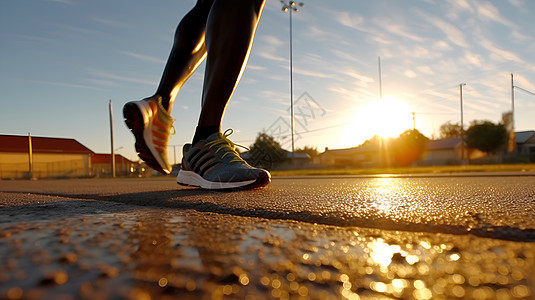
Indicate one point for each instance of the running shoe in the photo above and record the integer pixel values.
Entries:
(215, 164)
(151, 125)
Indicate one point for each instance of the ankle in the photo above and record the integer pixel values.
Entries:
(203, 132)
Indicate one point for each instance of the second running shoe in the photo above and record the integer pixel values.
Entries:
(214, 163)
(151, 125)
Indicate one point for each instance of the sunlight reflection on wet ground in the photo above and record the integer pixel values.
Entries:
(152, 253)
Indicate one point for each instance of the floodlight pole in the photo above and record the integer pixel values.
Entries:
(289, 7)
(112, 161)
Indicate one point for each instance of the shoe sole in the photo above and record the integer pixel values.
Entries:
(133, 117)
(190, 178)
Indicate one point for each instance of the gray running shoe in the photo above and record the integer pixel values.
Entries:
(215, 164)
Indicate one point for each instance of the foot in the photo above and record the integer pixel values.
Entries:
(151, 125)
(214, 163)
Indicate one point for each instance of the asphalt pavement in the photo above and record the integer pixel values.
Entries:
(373, 237)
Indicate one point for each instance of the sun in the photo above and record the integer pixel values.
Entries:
(387, 117)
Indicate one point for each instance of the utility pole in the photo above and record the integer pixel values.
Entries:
(413, 121)
(462, 120)
(380, 80)
(112, 162)
(512, 103)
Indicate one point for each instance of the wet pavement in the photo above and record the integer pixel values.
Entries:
(299, 238)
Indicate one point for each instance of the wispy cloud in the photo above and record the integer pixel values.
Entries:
(109, 22)
(425, 69)
(106, 75)
(398, 29)
(473, 58)
(410, 74)
(255, 67)
(459, 6)
(489, 11)
(363, 80)
(517, 3)
(270, 56)
(62, 1)
(499, 54)
(272, 40)
(351, 20)
(66, 84)
(454, 34)
(311, 73)
(143, 57)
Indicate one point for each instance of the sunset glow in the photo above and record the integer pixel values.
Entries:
(387, 117)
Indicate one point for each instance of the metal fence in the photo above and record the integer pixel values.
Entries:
(57, 169)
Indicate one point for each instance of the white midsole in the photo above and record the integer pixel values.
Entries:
(194, 179)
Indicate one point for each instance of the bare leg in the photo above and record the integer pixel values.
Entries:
(189, 50)
(230, 32)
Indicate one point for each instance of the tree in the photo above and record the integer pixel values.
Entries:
(311, 151)
(486, 136)
(266, 152)
(408, 147)
(449, 130)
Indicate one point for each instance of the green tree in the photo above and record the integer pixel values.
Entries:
(486, 136)
(449, 130)
(266, 152)
(408, 147)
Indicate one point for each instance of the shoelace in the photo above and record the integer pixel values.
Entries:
(224, 143)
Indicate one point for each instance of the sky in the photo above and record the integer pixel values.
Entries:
(62, 61)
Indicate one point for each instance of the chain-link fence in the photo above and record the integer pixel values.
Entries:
(57, 169)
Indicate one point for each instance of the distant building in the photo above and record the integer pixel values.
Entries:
(101, 165)
(51, 157)
(525, 144)
(449, 152)
(443, 152)
(361, 156)
(437, 152)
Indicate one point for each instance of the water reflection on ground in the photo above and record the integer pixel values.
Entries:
(153, 253)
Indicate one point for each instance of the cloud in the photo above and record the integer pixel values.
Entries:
(114, 23)
(524, 83)
(272, 40)
(350, 20)
(311, 73)
(517, 3)
(425, 69)
(397, 29)
(270, 56)
(499, 54)
(442, 46)
(318, 34)
(143, 57)
(66, 84)
(410, 74)
(122, 78)
(255, 67)
(62, 1)
(489, 11)
(354, 74)
(453, 33)
(473, 58)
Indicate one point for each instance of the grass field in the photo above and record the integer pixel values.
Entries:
(409, 170)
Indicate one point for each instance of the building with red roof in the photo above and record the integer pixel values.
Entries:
(46, 157)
